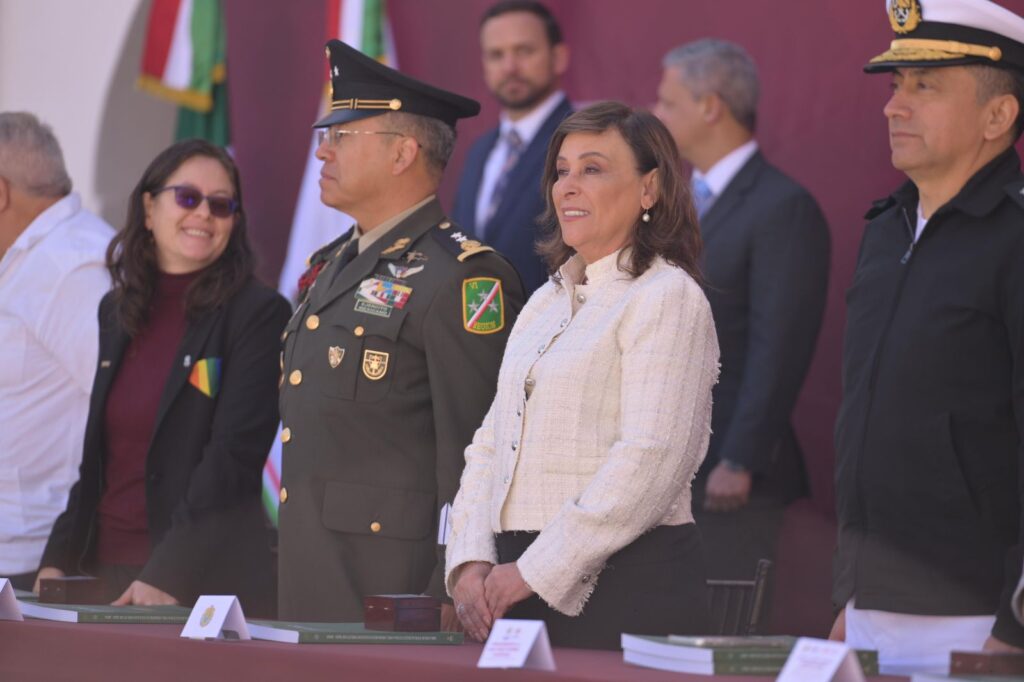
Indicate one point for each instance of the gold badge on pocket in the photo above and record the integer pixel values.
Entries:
(375, 364)
(335, 356)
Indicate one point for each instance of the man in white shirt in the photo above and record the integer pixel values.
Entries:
(765, 262)
(499, 197)
(52, 277)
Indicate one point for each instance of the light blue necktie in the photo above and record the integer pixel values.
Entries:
(703, 197)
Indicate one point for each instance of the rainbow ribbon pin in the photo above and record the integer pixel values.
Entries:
(206, 376)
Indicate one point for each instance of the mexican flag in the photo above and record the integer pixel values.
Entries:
(363, 25)
(183, 61)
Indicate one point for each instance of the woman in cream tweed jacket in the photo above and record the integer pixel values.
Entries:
(575, 498)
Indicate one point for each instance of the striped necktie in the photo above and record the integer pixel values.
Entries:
(703, 197)
(514, 147)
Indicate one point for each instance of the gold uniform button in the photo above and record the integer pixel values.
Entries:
(312, 322)
(295, 378)
(286, 434)
(283, 495)
(359, 331)
(375, 527)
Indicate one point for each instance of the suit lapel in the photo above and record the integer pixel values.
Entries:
(733, 196)
(475, 172)
(409, 229)
(113, 342)
(189, 352)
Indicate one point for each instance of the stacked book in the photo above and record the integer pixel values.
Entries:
(342, 633)
(100, 613)
(719, 655)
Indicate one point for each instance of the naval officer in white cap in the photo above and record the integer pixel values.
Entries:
(929, 437)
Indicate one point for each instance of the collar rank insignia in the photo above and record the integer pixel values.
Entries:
(397, 246)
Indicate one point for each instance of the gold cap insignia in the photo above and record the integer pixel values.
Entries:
(335, 356)
(397, 246)
(375, 364)
(470, 244)
(904, 15)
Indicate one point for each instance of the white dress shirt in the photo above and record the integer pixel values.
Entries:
(51, 282)
(601, 419)
(527, 128)
(725, 169)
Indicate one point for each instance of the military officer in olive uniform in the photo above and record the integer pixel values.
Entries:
(391, 360)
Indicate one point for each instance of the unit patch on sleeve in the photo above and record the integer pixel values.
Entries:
(483, 305)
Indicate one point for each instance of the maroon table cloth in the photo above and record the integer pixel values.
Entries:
(49, 651)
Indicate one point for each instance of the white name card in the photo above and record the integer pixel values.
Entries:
(9, 609)
(518, 644)
(819, 660)
(216, 617)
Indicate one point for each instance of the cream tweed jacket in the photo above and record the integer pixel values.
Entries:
(601, 418)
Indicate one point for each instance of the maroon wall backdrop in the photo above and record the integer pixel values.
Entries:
(820, 121)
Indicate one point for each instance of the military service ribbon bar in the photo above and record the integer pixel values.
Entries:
(206, 376)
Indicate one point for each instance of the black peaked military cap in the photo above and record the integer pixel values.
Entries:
(933, 33)
(362, 87)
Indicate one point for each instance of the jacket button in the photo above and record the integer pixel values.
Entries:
(375, 527)
(515, 444)
(283, 495)
(295, 378)
(359, 331)
(530, 383)
(286, 434)
(312, 322)
(580, 298)
(507, 479)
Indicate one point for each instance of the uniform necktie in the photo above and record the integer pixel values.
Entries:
(347, 255)
(703, 197)
(514, 147)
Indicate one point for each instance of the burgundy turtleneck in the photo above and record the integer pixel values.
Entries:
(123, 533)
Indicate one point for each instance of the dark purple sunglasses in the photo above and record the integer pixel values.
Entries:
(189, 198)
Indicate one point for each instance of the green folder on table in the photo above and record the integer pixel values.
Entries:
(342, 633)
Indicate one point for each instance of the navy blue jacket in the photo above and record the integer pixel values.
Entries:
(515, 232)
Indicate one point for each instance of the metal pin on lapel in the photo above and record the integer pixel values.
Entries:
(188, 361)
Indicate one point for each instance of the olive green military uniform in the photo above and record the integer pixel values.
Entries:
(388, 368)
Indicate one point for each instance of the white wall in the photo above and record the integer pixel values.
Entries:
(74, 63)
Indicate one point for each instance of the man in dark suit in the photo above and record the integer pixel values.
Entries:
(391, 360)
(499, 196)
(766, 258)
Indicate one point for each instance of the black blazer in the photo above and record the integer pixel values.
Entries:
(766, 261)
(515, 232)
(204, 464)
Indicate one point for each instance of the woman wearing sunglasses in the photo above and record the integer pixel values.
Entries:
(184, 403)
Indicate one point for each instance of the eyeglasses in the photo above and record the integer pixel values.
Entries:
(332, 136)
(189, 198)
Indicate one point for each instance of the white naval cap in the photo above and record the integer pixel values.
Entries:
(951, 33)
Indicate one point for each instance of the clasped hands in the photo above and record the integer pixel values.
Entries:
(485, 592)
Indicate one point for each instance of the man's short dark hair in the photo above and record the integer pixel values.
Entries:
(994, 81)
(551, 27)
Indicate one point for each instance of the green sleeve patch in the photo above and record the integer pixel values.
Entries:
(483, 305)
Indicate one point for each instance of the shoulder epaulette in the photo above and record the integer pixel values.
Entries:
(456, 242)
(1016, 192)
(879, 207)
